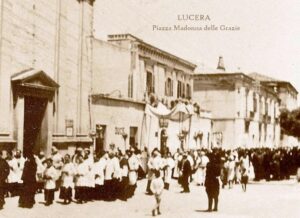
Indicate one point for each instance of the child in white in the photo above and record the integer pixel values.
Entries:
(157, 187)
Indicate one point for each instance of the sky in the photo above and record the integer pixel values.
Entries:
(268, 41)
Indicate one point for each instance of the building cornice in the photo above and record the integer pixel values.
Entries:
(97, 97)
(152, 49)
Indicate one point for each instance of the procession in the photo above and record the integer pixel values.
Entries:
(111, 175)
(119, 109)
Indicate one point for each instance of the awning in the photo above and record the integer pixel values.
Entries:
(180, 112)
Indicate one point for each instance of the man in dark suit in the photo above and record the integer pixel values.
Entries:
(4, 171)
(212, 184)
(186, 172)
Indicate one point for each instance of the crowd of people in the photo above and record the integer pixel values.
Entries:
(111, 175)
(82, 176)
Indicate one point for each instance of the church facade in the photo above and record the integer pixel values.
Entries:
(45, 73)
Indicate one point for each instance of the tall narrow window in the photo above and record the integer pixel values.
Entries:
(188, 91)
(130, 86)
(150, 83)
(179, 89)
(266, 108)
(168, 87)
(254, 103)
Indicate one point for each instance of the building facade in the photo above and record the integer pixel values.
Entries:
(245, 113)
(131, 74)
(45, 73)
(287, 94)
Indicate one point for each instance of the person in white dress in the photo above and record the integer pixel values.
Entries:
(67, 180)
(177, 158)
(50, 175)
(112, 176)
(133, 166)
(89, 160)
(98, 170)
(168, 169)
(81, 184)
(41, 166)
(150, 172)
(57, 160)
(230, 166)
(201, 168)
(12, 178)
(19, 170)
(157, 187)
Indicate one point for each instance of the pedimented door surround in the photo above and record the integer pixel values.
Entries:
(33, 84)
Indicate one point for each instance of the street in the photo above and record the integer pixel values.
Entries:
(263, 199)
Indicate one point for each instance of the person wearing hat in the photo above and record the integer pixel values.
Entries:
(186, 173)
(212, 185)
(4, 172)
(50, 175)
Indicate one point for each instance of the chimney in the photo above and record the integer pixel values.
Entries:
(221, 64)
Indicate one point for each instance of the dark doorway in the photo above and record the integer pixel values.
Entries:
(34, 112)
(100, 137)
(163, 142)
(133, 136)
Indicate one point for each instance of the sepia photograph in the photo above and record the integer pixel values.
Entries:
(149, 108)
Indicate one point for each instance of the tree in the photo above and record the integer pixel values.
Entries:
(290, 122)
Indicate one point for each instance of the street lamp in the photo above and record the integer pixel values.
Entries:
(182, 137)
